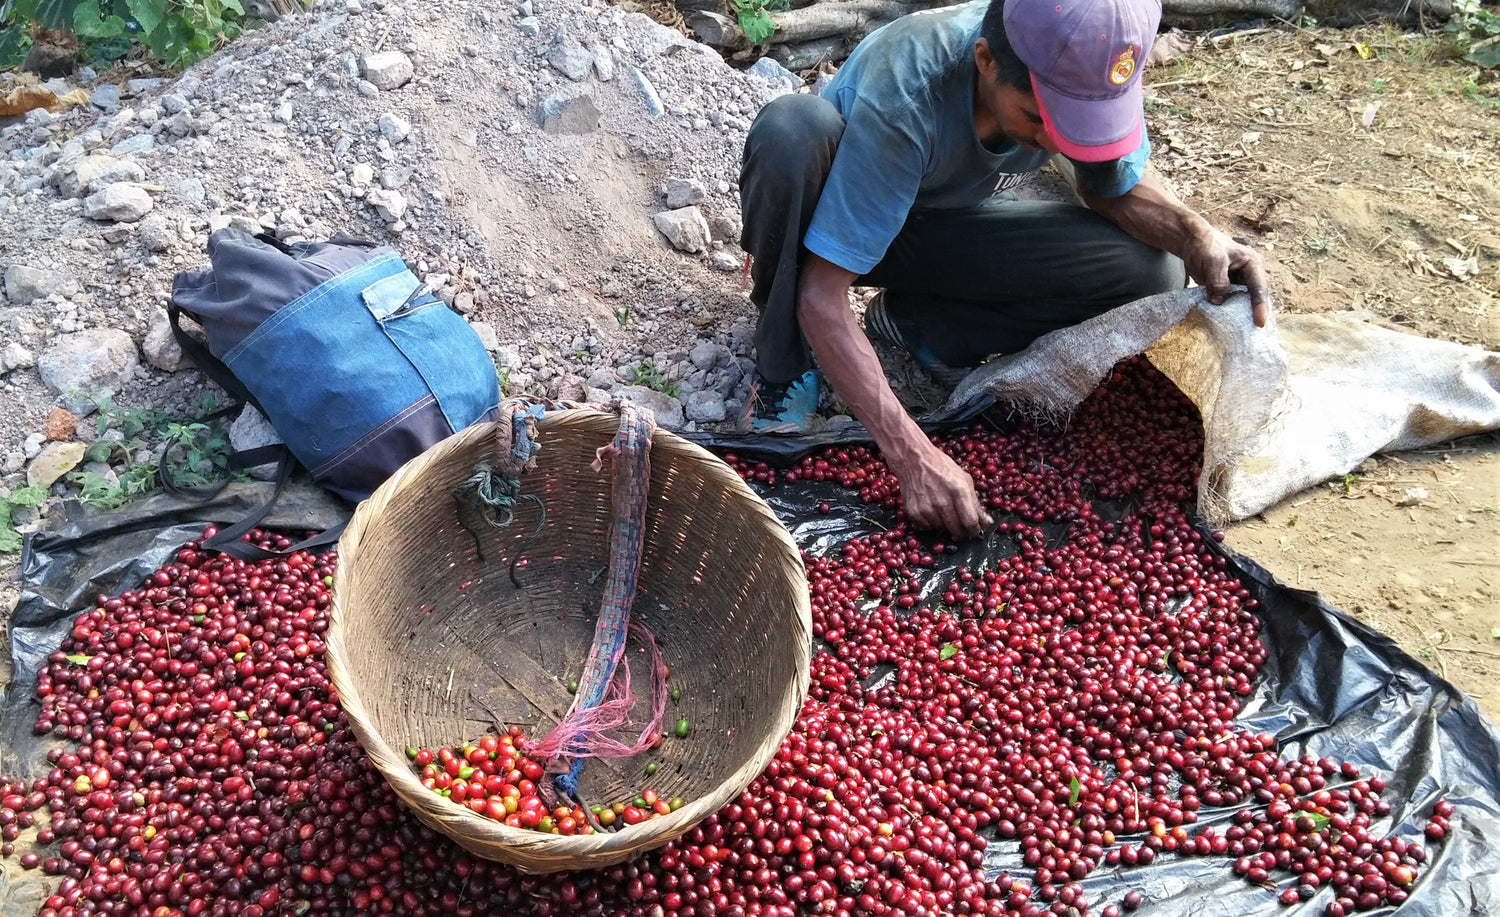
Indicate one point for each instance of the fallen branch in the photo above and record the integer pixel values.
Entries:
(809, 54)
(851, 19)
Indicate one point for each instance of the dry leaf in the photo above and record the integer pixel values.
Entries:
(1168, 47)
(27, 98)
(1464, 269)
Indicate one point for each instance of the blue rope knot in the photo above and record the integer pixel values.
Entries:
(567, 784)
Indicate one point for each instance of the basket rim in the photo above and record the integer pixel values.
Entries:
(518, 846)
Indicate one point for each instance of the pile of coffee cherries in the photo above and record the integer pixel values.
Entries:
(1066, 706)
(494, 778)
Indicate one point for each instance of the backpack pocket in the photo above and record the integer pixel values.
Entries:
(438, 343)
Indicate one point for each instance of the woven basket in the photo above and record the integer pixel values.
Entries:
(431, 645)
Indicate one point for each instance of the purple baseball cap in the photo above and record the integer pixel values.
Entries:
(1085, 58)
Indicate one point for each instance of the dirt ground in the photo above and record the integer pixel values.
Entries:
(1365, 167)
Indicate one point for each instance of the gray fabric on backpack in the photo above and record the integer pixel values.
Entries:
(248, 281)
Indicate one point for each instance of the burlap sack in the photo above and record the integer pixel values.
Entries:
(1284, 407)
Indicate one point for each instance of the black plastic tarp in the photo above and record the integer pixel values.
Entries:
(1330, 687)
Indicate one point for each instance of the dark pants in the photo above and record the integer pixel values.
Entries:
(960, 284)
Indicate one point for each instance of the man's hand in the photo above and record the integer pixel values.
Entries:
(937, 493)
(1152, 213)
(1215, 260)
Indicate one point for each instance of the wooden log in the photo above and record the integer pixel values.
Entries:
(808, 55)
(812, 30)
(820, 20)
(1277, 9)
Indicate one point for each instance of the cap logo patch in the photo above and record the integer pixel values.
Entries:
(1123, 68)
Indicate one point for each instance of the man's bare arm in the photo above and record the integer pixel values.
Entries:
(1152, 213)
(936, 492)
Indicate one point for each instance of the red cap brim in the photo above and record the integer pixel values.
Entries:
(1119, 117)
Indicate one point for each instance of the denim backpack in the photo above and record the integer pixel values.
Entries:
(353, 361)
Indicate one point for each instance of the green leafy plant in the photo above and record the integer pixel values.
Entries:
(1474, 94)
(1322, 244)
(1476, 33)
(10, 539)
(754, 17)
(199, 452)
(177, 32)
(644, 373)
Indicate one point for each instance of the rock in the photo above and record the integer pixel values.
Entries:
(12, 462)
(668, 410)
(771, 71)
(728, 381)
(654, 108)
(568, 115)
(191, 191)
(725, 227)
(706, 407)
(393, 177)
(119, 170)
(568, 57)
(706, 355)
(53, 461)
(61, 425)
(685, 228)
(175, 104)
(72, 178)
(14, 356)
(507, 358)
(604, 62)
(102, 470)
(155, 235)
(135, 143)
(571, 388)
(393, 127)
(24, 284)
(361, 175)
(603, 379)
(160, 348)
(120, 203)
(683, 192)
(387, 69)
(106, 98)
(391, 205)
(724, 262)
(251, 430)
(487, 335)
(84, 363)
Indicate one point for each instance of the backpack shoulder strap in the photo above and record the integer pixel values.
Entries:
(208, 364)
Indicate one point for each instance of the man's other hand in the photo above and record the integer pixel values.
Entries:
(1217, 260)
(938, 494)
